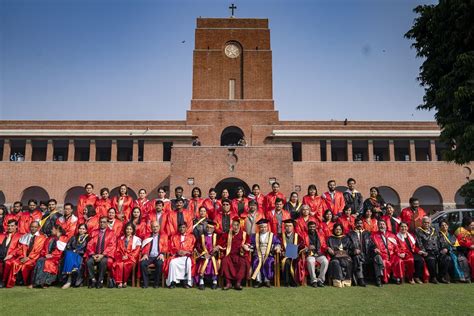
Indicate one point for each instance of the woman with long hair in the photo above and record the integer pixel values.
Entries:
(340, 249)
(141, 228)
(126, 255)
(123, 204)
(73, 256)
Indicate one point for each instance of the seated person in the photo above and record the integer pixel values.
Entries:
(291, 267)
(362, 245)
(9, 247)
(412, 262)
(208, 250)
(73, 256)
(428, 242)
(181, 261)
(385, 252)
(453, 264)
(153, 252)
(315, 244)
(339, 248)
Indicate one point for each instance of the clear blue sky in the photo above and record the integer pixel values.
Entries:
(123, 59)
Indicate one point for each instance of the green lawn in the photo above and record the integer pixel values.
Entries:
(392, 299)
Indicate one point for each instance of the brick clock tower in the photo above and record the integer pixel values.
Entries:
(232, 80)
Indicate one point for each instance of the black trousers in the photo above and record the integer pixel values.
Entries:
(445, 262)
(419, 266)
(286, 275)
(101, 267)
(156, 275)
(432, 263)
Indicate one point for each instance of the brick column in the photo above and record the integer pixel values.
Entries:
(152, 150)
(71, 150)
(135, 150)
(6, 150)
(49, 150)
(28, 150)
(113, 150)
(328, 150)
(391, 150)
(412, 150)
(433, 150)
(370, 150)
(311, 151)
(92, 150)
(350, 154)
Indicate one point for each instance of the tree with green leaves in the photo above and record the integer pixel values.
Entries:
(443, 35)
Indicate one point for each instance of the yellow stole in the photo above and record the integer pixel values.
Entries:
(205, 252)
(261, 260)
(295, 242)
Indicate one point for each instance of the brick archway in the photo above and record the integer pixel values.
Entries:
(430, 199)
(231, 136)
(231, 184)
(34, 192)
(72, 195)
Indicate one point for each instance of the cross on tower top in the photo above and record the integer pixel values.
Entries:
(232, 8)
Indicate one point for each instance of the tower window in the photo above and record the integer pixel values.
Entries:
(231, 89)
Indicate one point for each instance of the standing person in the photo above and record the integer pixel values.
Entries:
(253, 216)
(153, 252)
(465, 237)
(30, 246)
(258, 197)
(49, 218)
(362, 246)
(85, 199)
(277, 216)
(315, 243)
(14, 215)
(9, 248)
(177, 217)
(200, 223)
(413, 215)
(68, 220)
(139, 223)
(3, 213)
(103, 204)
(157, 215)
(353, 198)
(240, 203)
(370, 223)
(123, 204)
(392, 222)
(340, 265)
(180, 264)
(73, 257)
(196, 201)
(386, 259)
(162, 197)
(270, 198)
(301, 225)
(126, 255)
(375, 203)
(33, 214)
(224, 219)
(207, 263)
(427, 240)
(347, 220)
(315, 202)
(91, 218)
(143, 203)
(47, 267)
(327, 224)
(101, 252)
(235, 264)
(264, 245)
(114, 224)
(293, 206)
(413, 264)
(178, 195)
(212, 204)
(333, 199)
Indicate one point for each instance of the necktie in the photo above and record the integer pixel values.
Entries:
(180, 218)
(30, 246)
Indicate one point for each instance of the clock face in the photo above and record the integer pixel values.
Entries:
(232, 51)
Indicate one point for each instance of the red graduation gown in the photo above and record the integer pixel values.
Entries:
(347, 222)
(389, 254)
(213, 207)
(69, 225)
(316, 204)
(176, 245)
(126, 206)
(273, 221)
(335, 206)
(301, 226)
(102, 206)
(171, 222)
(412, 219)
(145, 206)
(270, 198)
(194, 205)
(84, 200)
(16, 217)
(122, 268)
(51, 265)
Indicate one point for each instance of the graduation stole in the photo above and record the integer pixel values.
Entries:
(43, 221)
(261, 260)
(456, 243)
(205, 252)
(283, 262)
(199, 222)
(230, 236)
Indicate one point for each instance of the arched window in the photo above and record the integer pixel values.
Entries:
(231, 184)
(430, 199)
(34, 192)
(231, 136)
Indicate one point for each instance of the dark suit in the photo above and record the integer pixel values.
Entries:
(360, 261)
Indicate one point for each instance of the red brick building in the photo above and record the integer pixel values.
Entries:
(232, 98)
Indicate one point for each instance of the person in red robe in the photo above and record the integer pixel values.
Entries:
(47, 267)
(392, 221)
(143, 203)
(258, 197)
(31, 245)
(15, 215)
(212, 204)
(315, 247)
(85, 199)
(68, 220)
(413, 215)
(91, 219)
(408, 250)
(270, 198)
(161, 191)
(327, 224)
(254, 215)
(196, 201)
(33, 214)
(140, 225)
(177, 217)
(157, 215)
(153, 251)
(370, 223)
(301, 224)
(208, 261)
(333, 199)
(113, 223)
(224, 220)
(277, 216)
(235, 263)
(179, 267)
(386, 258)
(101, 253)
(315, 202)
(126, 255)
(240, 203)
(347, 220)
(123, 204)
(10, 249)
(103, 204)
(465, 238)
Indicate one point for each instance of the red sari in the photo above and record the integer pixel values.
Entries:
(122, 268)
